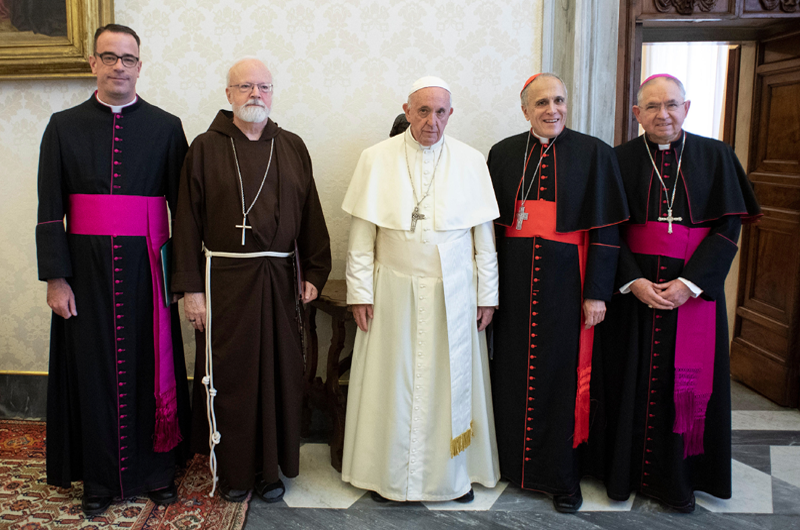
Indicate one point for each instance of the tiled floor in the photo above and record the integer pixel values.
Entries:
(766, 492)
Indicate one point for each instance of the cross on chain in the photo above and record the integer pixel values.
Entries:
(669, 219)
(415, 215)
(521, 216)
(244, 227)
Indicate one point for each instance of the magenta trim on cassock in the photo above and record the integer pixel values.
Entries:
(695, 333)
(134, 215)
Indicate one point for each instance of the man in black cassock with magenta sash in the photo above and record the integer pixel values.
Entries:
(665, 363)
(117, 398)
(560, 198)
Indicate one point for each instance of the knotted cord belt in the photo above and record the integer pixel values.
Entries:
(214, 436)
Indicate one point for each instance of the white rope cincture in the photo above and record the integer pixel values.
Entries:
(214, 436)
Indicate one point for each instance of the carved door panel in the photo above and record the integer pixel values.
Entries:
(764, 351)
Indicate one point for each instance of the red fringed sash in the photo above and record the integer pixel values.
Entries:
(695, 333)
(541, 222)
(134, 215)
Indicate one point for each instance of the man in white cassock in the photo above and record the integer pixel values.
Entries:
(422, 283)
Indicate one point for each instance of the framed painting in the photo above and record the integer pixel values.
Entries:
(47, 39)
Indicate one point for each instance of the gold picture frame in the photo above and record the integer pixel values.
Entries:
(32, 54)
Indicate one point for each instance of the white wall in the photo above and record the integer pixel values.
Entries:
(341, 70)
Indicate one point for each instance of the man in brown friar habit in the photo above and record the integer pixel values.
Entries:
(666, 365)
(117, 398)
(247, 195)
(560, 198)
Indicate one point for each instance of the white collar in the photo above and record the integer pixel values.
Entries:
(414, 143)
(542, 140)
(117, 108)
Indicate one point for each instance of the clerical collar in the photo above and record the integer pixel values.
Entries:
(675, 144)
(116, 108)
(413, 141)
(542, 139)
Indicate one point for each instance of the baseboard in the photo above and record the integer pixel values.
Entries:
(23, 395)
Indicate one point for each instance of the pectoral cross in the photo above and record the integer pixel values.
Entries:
(521, 216)
(244, 227)
(669, 219)
(415, 215)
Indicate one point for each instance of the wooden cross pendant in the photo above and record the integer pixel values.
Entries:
(521, 216)
(415, 215)
(244, 227)
(669, 219)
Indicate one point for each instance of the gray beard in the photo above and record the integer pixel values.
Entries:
(251, 114)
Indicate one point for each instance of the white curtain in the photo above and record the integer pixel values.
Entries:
(702, 67)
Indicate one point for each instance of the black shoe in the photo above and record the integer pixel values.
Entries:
(467, 497)
(94, 504)
(568, 503)
(377, 497)
(233, 495)
(270, 492)
(164, 496)
(686, 508)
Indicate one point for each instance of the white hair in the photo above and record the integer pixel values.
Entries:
(668, 78)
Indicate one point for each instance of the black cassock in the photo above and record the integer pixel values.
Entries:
(100, 396)
(534, 379)
(639, 451)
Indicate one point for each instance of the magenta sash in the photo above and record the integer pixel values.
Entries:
(134, 215)
(695, 334)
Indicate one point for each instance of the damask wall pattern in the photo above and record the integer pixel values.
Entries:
(341, 70)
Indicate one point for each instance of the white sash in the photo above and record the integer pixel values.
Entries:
(460, 304)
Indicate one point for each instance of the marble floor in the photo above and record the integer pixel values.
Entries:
(766, 492)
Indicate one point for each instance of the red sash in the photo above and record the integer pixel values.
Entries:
(541, 222)
(134, 215)
(695, 334)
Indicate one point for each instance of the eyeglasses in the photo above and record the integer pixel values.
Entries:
(654, 108)
(246, 88)
(110, 59)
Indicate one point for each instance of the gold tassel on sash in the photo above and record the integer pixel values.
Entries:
(461, 442)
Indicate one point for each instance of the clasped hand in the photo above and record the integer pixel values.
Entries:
(665, 296)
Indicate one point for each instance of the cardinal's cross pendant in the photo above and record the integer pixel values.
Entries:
(244, 226)
(415, 216)
(521, 216)
(669, 219)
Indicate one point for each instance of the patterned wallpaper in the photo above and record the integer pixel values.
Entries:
(341, 70)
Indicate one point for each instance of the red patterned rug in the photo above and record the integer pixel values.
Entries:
(28, 503)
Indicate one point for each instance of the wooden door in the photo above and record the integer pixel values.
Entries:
(764, 351)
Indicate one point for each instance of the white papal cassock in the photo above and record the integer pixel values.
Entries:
(420, 374)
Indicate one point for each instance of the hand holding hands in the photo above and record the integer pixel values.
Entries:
(675, 291)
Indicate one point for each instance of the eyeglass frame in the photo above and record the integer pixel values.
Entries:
(117, 58)
(249, 87)
(653, 108)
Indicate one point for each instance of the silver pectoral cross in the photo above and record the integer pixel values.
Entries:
(669, 219)
(244, 227)
(415, 215)
(521, 216)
